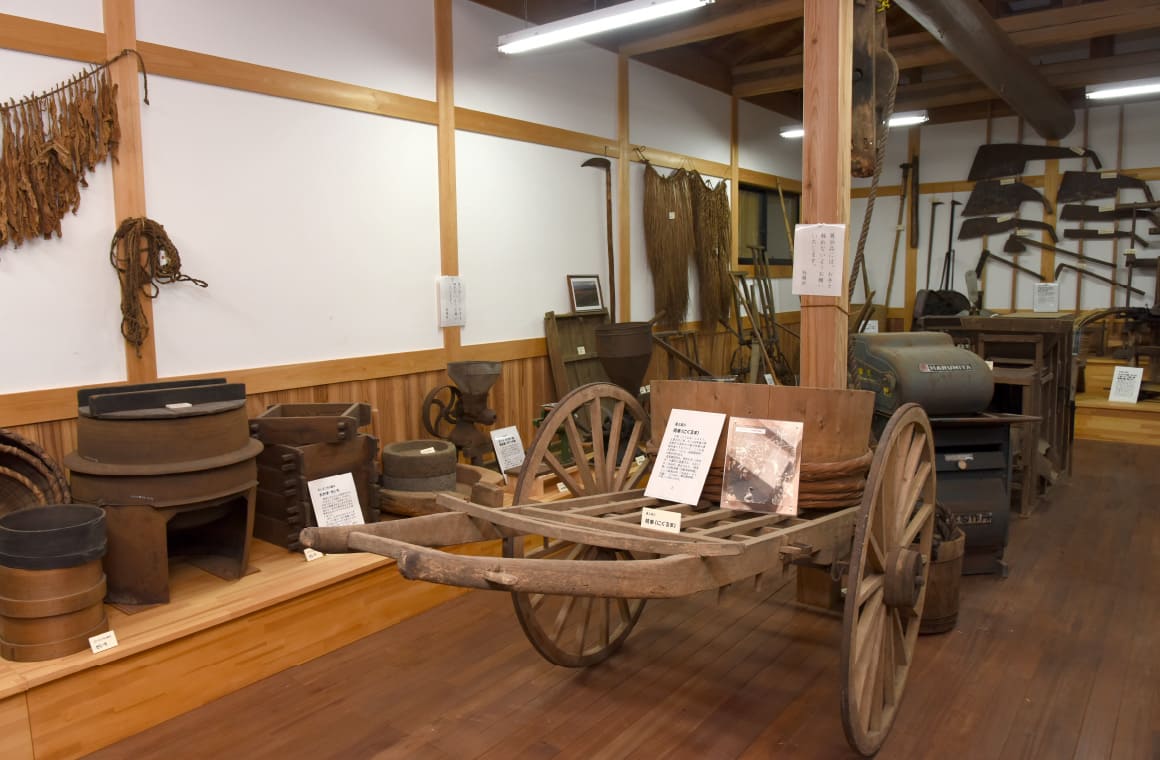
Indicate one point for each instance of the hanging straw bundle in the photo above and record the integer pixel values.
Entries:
(669, 241)
(711, 254)
(50, 141)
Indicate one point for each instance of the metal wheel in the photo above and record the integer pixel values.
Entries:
(441, 410)
(886, 588)
(577, 631)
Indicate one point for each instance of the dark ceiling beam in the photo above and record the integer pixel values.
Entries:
(936, 93)
(1031, 30)
(973, 37)
(755, 17)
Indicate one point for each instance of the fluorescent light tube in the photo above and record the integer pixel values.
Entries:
(1130, 89)
(614, 17)
(908, 119)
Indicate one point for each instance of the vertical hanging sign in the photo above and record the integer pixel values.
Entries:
(819, 253)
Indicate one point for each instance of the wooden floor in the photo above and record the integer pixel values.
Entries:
(1060, 660)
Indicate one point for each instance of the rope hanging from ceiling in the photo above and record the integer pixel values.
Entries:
(49, 143)
(144, 258)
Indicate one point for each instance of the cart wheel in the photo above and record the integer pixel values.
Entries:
(577, 631)
(887, 582)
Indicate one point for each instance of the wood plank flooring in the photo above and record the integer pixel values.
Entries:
(1059, 660)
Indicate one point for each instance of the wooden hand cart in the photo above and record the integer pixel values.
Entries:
(579, 587)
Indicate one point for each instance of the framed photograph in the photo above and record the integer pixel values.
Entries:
(584, 291)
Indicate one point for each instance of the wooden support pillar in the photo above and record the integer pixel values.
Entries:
(623, 209)
(734, 182)
(828, 57)
(1051, 192)
(448, 210)
(129, 169)
(913, 149)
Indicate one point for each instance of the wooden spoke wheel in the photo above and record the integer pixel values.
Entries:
(886, 588)
(577, 631)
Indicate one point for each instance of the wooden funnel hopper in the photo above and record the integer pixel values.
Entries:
(625, 350)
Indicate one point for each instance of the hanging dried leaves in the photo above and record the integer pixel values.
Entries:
(49, 143)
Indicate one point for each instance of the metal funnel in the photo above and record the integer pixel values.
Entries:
(474, 377)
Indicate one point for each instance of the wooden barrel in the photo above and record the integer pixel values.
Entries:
(941, 611)
(52, 586)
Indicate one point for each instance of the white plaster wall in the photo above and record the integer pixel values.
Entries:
(761, 146)
(571, 86)
(529, 216)
(384, 44)
(316, 228)
(60, 298)
(83, 14)
(677, 115)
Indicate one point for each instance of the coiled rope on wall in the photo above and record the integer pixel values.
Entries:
(49, 143)
(144, 258)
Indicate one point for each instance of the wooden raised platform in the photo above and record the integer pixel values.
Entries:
(1097, 419)
(214, 638)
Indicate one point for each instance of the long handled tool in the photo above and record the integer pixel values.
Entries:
(1018, 244)
(1087, 273)
(975, 277)
(930, 240)
(948, 270)
(897, 238)
(606, 165)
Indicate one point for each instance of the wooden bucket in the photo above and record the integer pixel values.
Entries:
(941, 611)
(52, 586)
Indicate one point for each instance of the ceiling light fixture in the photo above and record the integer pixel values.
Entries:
(907, 119)
(1131, 89)
(613, 17)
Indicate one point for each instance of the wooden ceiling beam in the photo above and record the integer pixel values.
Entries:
(765, 14)
(1027, 30)
(939, 93)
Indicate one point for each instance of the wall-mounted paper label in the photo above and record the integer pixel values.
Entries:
(581, 350)
(1129, 251)
(1109, 206)
(102, 641)
(661, 519)
(452, 302)
(335, 501)
(1077, 151)
(1106, 229)
(1126, 384)
(312, 554)
(509, 449)
(819, 259)
(1110, 174)
(1046, 296)
(685, 453)
(1007, 181)
(672, 215)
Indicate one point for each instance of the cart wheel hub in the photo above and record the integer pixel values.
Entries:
(903, 578)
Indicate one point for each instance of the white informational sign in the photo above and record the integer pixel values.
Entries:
(509, 449)
(661, 519)
(1046, 296)
(335, 501)
(102, 641)
(684, 456)
(819, 252)
(871, 327)
(452, 302)
(1126, 384)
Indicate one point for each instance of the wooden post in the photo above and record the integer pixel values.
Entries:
(1050, 191)
(828, 56)
(445, 100)
(129, 168)
(623, 209)
(913, 148)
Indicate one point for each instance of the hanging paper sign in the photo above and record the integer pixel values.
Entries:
(1046, 296)
(819, 257)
